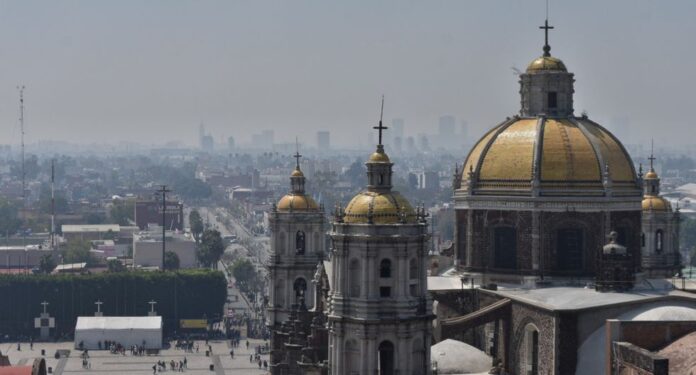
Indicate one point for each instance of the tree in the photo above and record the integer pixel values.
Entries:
(47, 264)
(171, 261)
(211, 248)
(122, 211)
(77, 251)
(115, 265)
(9, 219)
(245, 274)
(196, 224)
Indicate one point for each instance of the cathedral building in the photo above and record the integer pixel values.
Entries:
(660, 236)
(540, 192)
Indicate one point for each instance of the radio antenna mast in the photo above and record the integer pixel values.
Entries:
(21, 129)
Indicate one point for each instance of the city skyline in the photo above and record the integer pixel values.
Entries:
(301, 68)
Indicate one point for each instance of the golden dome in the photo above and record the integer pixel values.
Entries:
(383, 208)
(379, 157)
(296, 173)
(651, 175)
(656, 203)
(297, 202)
(568, 154)
(546, 63)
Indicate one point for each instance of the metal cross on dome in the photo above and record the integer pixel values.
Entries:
(297, 155)
(546, 29)
(381, 127)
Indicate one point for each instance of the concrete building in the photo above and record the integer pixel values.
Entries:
(147, 248)
(90, 232)
(150, 212)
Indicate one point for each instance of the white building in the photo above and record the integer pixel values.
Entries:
(145, 331)
(147, 248)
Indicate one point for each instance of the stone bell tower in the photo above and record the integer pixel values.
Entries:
(297, 246)
(379, 314)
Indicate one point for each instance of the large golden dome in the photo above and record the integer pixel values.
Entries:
(565, 156)
(297, 202)
(387, 207)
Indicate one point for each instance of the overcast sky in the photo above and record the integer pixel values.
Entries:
(152, 71)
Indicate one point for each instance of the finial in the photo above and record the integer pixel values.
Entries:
(297, 154)
(652, 155)
(380, 128)
(640, 170)
(546, 28)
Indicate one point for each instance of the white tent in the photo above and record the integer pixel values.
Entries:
(125, 330)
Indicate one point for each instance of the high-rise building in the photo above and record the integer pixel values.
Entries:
(323, 141)
(230, 143)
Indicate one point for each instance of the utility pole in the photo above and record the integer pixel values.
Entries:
(163, 190)
(21, 129)
(53, 204)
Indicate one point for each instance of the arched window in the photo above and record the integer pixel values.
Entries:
(569, 247)
(385, 268)
(418, 357)
(353, 360)
(505, 247)
(279, 293)
(354, 274)
(299, 242)
(300, 287)
(658, 241)
(531, 352)
(386, 358)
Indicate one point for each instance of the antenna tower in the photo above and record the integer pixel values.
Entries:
(21, 129)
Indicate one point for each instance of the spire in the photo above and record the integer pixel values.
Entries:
(297, 155)
(297, 178)
(380, 128)
(652, 155)
(546, 28)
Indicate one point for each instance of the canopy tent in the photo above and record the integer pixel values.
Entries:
(125, 330)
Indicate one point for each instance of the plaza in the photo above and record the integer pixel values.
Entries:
(103, 362)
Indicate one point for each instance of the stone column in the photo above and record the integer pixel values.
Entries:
(469, 237)
(536, 248)
(371, 286)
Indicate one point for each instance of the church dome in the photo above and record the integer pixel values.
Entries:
(656, 203)
(546, 63)
(388, 207)
(379, 157)
(297, 202)
(651, 175)
(559, 155)
(296, 173)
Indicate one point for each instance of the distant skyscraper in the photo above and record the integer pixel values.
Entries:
(230, 143)
(323, 141)
(207, 143)
(410, 144)
(446, 132)
(397, 130)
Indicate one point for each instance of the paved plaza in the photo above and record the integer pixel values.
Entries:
(103, 362)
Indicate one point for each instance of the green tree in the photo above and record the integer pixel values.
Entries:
(47, 264)
(245, 274)
(196, 223)
(171, 261)
(115, 265)
(9, 219)
(122, 211)
(211, 248)
(77, 251)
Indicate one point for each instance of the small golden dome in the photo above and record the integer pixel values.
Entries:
(655, 203)
(297, 202)
(546, 63)
(383, 208)
(296, 173)
(651, 175)
(379, 157)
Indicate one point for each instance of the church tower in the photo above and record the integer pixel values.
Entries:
(379, 312)
(297, 246)
(660, 234)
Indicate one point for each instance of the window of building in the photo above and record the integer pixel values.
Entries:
(552, 100)
(300, 287)
(354, 275)
(642, 240)
(569, 246)
(385, 268)
(531, 341)
(385, 292)
(505, 247)
(658, 241)
(300, 242)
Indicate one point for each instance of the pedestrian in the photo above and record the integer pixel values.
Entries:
(231, 353)
(259, 362)
(251, 358)
(154, 369)
(265, 364)
(185, 363)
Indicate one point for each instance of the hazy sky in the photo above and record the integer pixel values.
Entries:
(152, 71)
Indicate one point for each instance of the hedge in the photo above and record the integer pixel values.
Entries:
(185, 294)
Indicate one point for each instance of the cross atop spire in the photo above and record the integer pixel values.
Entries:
(297, 155)
(380, 128)
(652, 156)
(546, 28)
